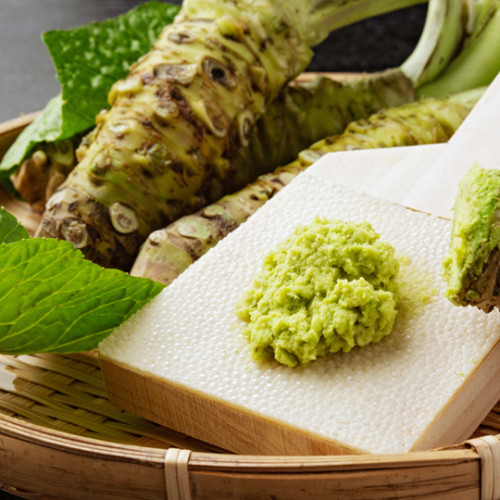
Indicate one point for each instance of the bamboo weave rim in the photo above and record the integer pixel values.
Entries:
(488, 448)
(177, 475)
(58, 402)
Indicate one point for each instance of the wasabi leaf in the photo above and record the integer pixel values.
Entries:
(10, 228)
(46, 127)
(53, 300)
(88, 60)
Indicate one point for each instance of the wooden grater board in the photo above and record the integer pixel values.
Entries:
(241, 430)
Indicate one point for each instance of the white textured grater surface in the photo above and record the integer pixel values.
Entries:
(378, 399)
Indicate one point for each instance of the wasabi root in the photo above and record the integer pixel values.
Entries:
(41, 174)
(169, 251)
(304, 112)
(163, 148)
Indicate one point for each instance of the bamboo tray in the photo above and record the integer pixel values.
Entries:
(61, 438)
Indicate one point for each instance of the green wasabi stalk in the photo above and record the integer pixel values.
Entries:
(169, 251)
(164, 147)
(478, 62)
(458, 49)
(444, 29)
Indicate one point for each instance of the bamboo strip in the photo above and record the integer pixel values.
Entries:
(13, 128)
(492, 420)
(63, 398)
(70, 394)
(26, 412)
(61, 405)
(488, 448)
(176, 474)
(67, 367)
(54, 380)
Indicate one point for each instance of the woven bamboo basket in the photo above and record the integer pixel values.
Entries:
(61, 438)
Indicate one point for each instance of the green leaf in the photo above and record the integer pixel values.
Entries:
(53, 300)
(10, 228)
(88, 60)
(46, 127)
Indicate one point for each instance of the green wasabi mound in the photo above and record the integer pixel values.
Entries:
(329, 287)
(473, 261)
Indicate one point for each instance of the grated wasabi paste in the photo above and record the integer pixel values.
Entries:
(472, 263)
(329, 287)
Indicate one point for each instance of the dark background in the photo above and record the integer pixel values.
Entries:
(27, 79)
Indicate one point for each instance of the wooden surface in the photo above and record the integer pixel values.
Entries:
(208, 419)
(92, 469)
(203, 417)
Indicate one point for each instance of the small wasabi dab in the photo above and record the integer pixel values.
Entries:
(329, 287)
(473, 261)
